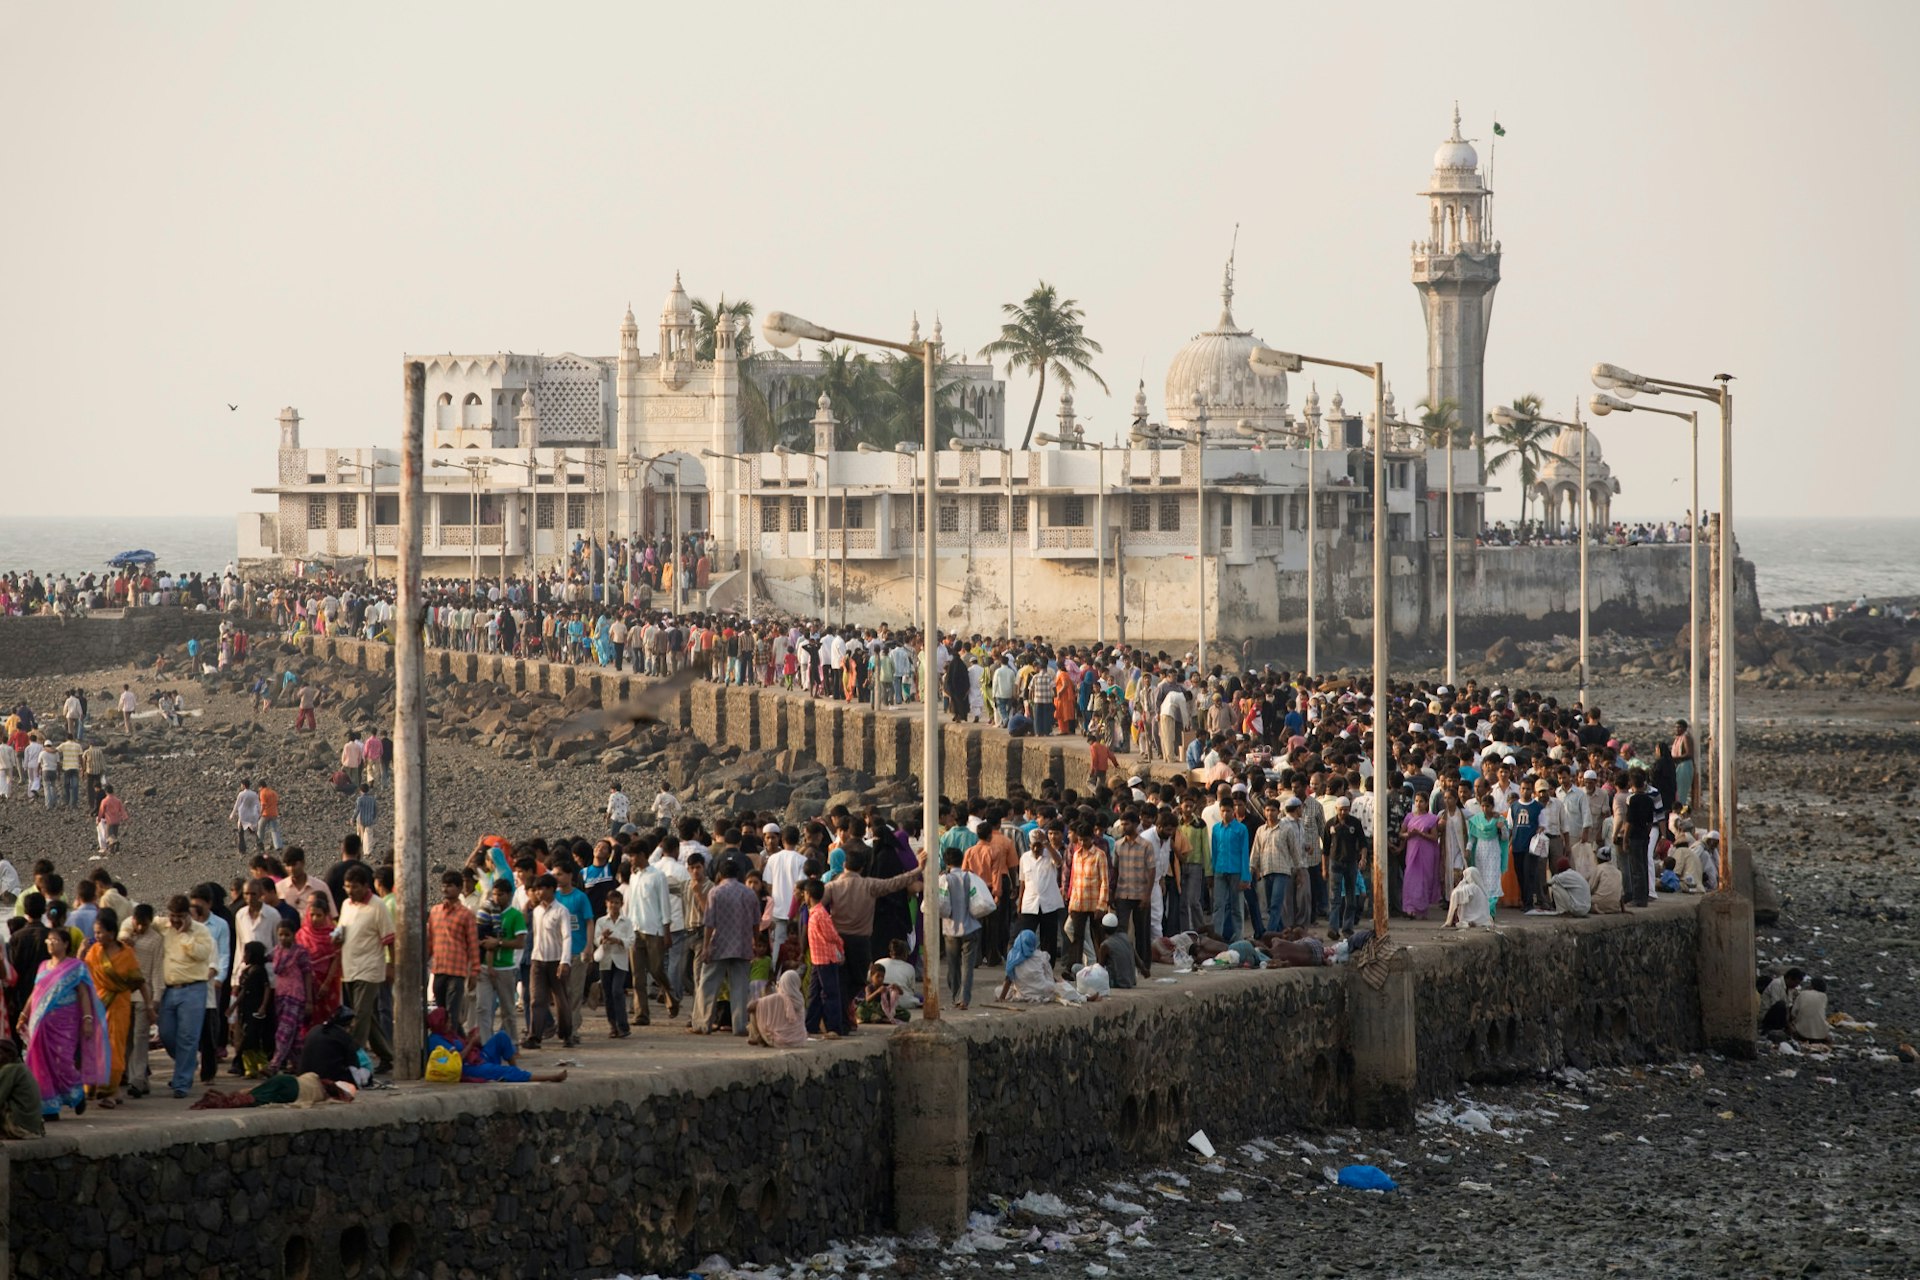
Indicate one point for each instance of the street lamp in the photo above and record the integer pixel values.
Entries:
(1604, 404)
(474, 467)
(1149, 434)
(753, 527)
(1268, 360)
(1506, 416)
(1621, 382)
(982, 446)
(1247, 428)
(372, 471)
(667, 460)
(783, 330)
(1078, 441)
(826, 594)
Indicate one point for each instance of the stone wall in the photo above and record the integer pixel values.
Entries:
(787, 1150)
(582, 1179)
(44, 645)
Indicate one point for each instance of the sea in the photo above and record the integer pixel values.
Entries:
(1799, 561)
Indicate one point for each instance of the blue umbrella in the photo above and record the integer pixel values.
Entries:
(126, 559)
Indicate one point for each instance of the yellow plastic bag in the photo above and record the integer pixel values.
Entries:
(443, 1066)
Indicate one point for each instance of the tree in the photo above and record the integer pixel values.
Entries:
(1523, 442)
(1044, 333)
(906, 382)
(858, 391)
(756, 414)
(1440, 424)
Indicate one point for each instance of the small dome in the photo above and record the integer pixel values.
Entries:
(1456, 152)
(678, 309)
(824, 404)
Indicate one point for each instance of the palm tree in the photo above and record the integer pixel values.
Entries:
(1523, 442)
(906, 384)
(1439, 420)
(756, 414)
(1044, 333)
(859, 393)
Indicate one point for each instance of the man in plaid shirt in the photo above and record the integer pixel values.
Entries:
(453, 949)
(1134, 867)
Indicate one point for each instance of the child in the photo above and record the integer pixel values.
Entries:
(253, 1011)
(760, 971)
(613, 934)
(880, 999)
(292, 991)
(826, 1012)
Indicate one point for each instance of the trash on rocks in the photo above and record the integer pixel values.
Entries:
(1366, 1177)
(1230, 1196)
(1470, 1185)
(1475, 1120)
(1114, 1204)
(1200, 1143)
(1041, 1204)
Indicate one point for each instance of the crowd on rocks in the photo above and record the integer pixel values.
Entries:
(1256, 853)
(24, 592)
(1618, 533)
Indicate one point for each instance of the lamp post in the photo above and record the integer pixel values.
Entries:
(1604, 404)
(475, 468)
(1149, 433)
(1311, 436)
(1506, 416)
(1077, 441)
(753, 528)
(372, 471)
(783, 330)
(1268, 360)
(648, 463)
(826, 591)
(1625, 384)
(981, 446)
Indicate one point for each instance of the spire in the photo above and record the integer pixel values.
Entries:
(1140, 404)
(913, 335)
(1226, 282)
(937, 339)
(1456, 123)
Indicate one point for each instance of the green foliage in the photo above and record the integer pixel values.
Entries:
(1044, 333)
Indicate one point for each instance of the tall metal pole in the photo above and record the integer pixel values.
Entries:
(1009, 456)
(1382, 606)
(1583, 566)
(930, 710)
(410, 742)
(1693, 610)
(533, 519)
(753, 536)
(845, 530)
(473, 531)
(1200, 559)
(1453, 675)
(1313, 544)
(679, 561)
(1100, 535)
(1729, 654)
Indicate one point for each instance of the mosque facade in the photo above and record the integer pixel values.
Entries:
(528, 456)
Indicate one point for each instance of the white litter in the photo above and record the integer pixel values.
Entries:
(1042, 1204)
(1471, 1185)
(1200, 1143)
(1475, 1120)
(1114, 1204)
(1231, 1196)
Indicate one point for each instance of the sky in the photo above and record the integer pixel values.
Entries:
(264, 205)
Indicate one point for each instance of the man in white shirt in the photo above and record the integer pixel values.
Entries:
(128, 704)
(783, 872)
(617, 808)
(650, 908)
(549, 967)
(666, 807)
(246, 816)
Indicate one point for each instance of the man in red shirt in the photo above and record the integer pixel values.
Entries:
(453, 950)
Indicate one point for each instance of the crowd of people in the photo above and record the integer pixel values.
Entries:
(1256, 852)
(1617, 533)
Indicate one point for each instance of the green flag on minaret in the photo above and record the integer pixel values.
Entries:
(1498, 132)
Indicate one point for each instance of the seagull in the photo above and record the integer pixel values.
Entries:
(645, 709)
(232, 408)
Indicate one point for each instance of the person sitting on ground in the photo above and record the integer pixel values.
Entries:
(1568, 890)
(331, 1052)
(878, 1000)
(1467, 906)
(1030, 977)
(1807, 1012)
(1116, 955)
(492, 1061)
(778, 1019)
(20, 1102)
(1775, 999)
(1606, 889)
(901, 973)
(1669, 877)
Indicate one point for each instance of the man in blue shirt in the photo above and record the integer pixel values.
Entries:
(580, 907)
(1231, 846)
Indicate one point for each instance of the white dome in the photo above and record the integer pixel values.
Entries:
(1213, 373)
(1456, 153)
(1566, 467)
(678, 309)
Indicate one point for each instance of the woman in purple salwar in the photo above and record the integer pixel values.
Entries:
(64, 1027)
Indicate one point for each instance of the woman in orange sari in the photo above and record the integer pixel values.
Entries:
(1064, 703)
(316, 935)
(116, 976)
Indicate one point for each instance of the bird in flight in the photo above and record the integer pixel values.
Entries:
(232, 408)
(644, 709)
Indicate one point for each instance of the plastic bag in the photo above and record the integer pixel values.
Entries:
(443, 1066)
(1365, 1177)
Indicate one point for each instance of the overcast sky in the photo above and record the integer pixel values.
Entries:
(267, 204)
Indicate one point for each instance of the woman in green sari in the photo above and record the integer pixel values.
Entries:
(1487, 846)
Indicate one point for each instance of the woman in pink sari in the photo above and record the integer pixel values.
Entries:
(1422, 887)
(316, 935)
(65, 1030)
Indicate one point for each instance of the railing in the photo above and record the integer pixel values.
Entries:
(1066, 538)
(854, 539)
(1268, 539)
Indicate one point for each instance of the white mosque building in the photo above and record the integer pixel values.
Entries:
(526, 454)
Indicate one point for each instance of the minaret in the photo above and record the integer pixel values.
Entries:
(825, 426)
(721, 472)
(676, 335)
(626, 385)
(1067, 431)
(289, 428)
(1456, 269)
(528, 421)
(1140, 404)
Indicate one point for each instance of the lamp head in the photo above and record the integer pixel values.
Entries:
(1503, 416)
(1046, 437)
(782, 330)
(783, 451)
(1267, 360)
(1611, 377)
(864, 447)
(1603, 404)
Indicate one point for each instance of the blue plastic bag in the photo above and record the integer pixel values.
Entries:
(1364, 1177)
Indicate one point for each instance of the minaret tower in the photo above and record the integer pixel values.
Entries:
(1456, 269)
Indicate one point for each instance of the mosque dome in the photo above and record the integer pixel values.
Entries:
(1456, 152)
(1566, 466)
(1212, 375)
(678, 309)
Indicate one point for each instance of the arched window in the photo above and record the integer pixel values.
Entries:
(446, 397)
(473, 397)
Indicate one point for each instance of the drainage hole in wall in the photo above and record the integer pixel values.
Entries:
(400, 1249)
(353, 1251)
(295, 1258)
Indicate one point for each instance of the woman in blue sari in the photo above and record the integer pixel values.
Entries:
(65, 1030)
(603, 641)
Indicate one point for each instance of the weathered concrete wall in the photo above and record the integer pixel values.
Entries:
(43, 645)
(787, 1150)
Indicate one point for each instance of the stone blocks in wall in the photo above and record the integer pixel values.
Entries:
(709, 713)
(34, 646)
(776, 724)
(1000, 764)
(829, 727)
(1040, 761)
(857, 737)
(519, 681)
(893, 740)
(743, 717)
(959, 761)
